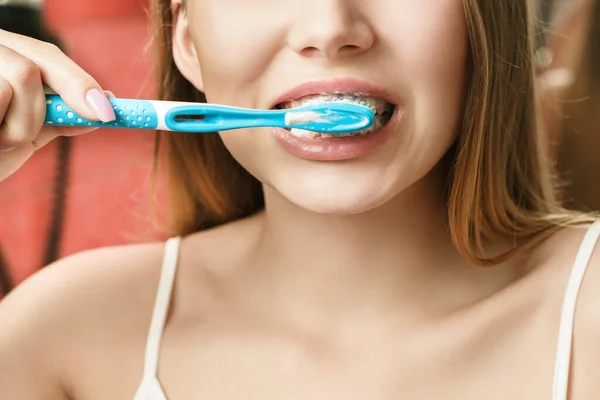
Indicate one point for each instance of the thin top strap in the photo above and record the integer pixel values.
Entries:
(567, 317)
(161, 306)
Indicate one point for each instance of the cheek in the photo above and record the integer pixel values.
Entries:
(433, 55)
(251, 149)
(233, 61)
(438, 54)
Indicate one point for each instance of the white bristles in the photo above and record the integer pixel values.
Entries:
(303, 117)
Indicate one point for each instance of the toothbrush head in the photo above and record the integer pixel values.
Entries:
(331, 117)
(302, 117)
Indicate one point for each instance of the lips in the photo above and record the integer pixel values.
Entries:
(340, 91)
(319, 147)
(350, 86)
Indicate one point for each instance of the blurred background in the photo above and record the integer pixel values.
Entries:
(94, 190)
(82, 192)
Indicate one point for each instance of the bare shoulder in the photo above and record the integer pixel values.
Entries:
(58, 312)
(560, 253)
(57, 327)
(586, 341)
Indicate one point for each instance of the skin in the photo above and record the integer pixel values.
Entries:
(377, 305)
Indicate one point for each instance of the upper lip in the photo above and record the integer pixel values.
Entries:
(335, 86)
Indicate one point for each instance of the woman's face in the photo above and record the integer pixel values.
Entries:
(404, 55)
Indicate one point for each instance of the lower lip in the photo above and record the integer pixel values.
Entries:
(336, 149)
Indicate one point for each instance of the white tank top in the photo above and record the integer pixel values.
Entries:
(151, 389)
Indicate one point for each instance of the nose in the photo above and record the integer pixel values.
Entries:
(330, 29)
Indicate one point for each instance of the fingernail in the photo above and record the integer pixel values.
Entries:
(100, 104)
(4, 149)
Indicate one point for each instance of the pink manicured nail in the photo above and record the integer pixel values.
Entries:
(100, 104)
(4, 149)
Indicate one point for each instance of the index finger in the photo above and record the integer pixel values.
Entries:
(78, 89)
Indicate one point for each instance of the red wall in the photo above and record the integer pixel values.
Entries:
(108, 194)
(61, 12)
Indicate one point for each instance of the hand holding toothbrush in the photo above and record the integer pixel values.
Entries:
(25, 66)
(29, 118)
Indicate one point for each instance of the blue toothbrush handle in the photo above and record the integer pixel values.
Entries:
(130, 113)
(164, 115)
(201, 117)
(335, 117)
(213, 117)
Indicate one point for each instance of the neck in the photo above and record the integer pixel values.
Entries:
(397, 257)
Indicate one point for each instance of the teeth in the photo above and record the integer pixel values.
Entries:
(378, 107)
(318, 135)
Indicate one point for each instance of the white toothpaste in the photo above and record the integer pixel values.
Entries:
(302, 117)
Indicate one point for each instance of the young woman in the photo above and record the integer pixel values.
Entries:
(428, 259)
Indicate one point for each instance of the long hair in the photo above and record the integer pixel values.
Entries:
(206, 186)
(500, 184)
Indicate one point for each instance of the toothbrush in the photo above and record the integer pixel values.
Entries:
(332, 117)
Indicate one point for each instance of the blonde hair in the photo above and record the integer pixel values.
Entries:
(500, 183)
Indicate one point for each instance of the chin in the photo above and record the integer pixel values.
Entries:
(334, 205)
(330, 196)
